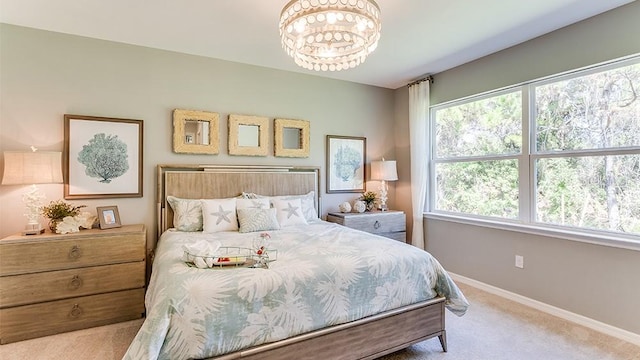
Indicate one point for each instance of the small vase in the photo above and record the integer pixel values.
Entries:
(371, 205)
(53, 224)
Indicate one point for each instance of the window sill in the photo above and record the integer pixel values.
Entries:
(628, 242)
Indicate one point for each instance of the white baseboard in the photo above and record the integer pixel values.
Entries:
(564, 314)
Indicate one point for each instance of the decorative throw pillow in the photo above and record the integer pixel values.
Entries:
(187, 213)
(289, 212)
(219, 215)
(252, 219)
(257, 203)
(307, 201)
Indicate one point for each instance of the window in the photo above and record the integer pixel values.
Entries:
(477, 144)
(564, 151)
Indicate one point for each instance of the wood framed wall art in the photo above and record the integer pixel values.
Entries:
(346, 156)
(102, 157)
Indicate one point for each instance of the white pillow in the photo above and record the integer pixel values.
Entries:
(260, 203)
(307, 200)
(219, 215)
(289, 212)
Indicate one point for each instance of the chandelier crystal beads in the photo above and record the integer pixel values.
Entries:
(330, 35)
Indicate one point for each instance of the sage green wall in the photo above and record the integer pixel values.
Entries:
(608, 36)
(45, 75)
(595, 281)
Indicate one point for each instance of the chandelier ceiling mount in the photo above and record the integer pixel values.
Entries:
(330, 35)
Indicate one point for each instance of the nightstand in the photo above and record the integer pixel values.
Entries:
(54, 283)
(391, 224)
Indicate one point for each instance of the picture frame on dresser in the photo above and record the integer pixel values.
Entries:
(108, 217)
(346, 156)
(102, 157)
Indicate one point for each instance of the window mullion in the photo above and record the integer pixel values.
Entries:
(431, 186)
(524, 178)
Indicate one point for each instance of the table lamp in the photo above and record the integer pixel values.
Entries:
(384, 171)
(31, 168)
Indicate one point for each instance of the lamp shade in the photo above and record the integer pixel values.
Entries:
(384, 170)
(28, 167)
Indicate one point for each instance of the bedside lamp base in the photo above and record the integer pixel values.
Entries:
(383, 196)
(33, 229)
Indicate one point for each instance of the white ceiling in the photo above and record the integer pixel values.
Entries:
(419, 37)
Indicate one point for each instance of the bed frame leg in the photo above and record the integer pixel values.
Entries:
(443, 340)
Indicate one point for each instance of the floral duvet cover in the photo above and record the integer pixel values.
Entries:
(324, 275)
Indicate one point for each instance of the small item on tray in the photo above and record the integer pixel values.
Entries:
(229, 260)
(202, 248)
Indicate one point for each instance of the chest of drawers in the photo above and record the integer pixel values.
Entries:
(391, 224)
(54, 283)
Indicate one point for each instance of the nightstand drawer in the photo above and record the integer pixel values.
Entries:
(34, 288)
(377, 223)
(25, 322)
(391, 224)
(54, 254)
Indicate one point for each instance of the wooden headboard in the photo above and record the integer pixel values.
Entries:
(219, 182)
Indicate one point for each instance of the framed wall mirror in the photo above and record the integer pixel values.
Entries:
(291, 138)
(248, 135)
(195, 132)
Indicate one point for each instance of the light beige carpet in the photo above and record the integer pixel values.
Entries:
(493, 329)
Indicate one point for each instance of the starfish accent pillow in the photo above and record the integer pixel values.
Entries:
(308, 205)
(307, 200)
(289, 212)
(219, 215)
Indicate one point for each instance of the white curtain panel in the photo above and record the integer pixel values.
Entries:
(419, 144)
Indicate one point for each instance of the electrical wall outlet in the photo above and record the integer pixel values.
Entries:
(520, 261)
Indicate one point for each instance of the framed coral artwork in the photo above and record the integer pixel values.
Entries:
(103, 157)
(345, 163)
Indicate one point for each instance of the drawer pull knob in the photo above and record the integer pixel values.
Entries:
(76, 311)
(75, 252)
(376, 225)
(75, 283)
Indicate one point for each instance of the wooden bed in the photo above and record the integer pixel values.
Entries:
(367, 338)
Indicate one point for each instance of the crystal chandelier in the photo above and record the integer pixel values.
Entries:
(330, 35)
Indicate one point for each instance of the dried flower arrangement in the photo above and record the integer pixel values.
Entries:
(369, 198)
(57, 210)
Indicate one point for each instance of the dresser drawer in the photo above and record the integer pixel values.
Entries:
(378, 223)
(33, 288)
(30, 321)
(58, 254)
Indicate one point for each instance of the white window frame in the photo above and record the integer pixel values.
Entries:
(445, 160)
(526, 220)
